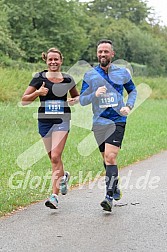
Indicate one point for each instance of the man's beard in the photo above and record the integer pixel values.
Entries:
(105, 62)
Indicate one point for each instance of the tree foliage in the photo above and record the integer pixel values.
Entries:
(26, 30)
(41, 24)
(133, 10)
(7, 45)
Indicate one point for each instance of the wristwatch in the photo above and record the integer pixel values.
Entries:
(129, 106)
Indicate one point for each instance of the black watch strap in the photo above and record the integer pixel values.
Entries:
(129, 106)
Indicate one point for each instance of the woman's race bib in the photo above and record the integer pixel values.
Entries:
(54, 107)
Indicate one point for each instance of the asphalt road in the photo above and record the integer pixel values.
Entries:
(138, 221)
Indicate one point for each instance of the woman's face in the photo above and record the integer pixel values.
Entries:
(53, 62)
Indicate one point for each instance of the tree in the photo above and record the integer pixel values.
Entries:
(7, 45)
(41, 24)
(146, 49)
(134, 10)
(115, 30)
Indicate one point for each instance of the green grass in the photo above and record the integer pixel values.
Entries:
(14, 82)
(145, 136)
(158, 86)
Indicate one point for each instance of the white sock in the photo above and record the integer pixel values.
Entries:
(64, 177)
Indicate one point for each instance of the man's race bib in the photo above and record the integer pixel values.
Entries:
(54, 107)
(108, 100)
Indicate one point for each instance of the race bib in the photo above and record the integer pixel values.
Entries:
(108, 100)
(54, 107)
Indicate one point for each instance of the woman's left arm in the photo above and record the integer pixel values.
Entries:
(74, 96)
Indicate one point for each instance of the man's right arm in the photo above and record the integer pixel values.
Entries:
(87, 94)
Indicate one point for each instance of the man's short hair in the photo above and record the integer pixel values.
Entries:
(104, 41)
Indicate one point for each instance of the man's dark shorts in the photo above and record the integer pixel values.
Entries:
(112, 134)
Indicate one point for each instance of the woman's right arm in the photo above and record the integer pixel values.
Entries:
(32, 93)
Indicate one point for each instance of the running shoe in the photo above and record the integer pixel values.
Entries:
(64, 183)
(52, 202)
(107, 203)
(117, 193)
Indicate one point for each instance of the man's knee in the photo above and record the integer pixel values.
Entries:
(110, 157)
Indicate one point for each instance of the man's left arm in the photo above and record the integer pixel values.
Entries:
(132, 93)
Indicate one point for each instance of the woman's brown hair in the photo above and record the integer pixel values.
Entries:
(54, 50)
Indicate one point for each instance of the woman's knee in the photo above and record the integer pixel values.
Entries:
(55, 158)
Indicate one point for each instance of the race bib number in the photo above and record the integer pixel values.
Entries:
(54, 107)
(108, 100)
